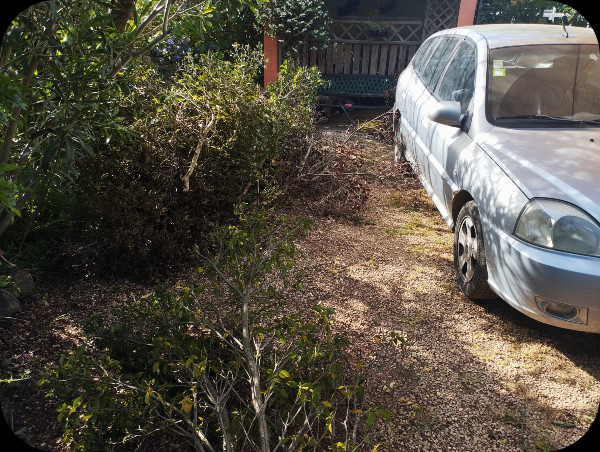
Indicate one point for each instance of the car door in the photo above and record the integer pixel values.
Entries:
(457, 84)
(424, 128)
(410, 90)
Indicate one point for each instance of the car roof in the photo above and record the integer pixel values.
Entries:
(506, 35)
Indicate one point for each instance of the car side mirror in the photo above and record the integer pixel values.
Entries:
(446, 113)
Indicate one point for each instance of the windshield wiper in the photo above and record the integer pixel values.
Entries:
(545, 117)
(551, 118)
(589, 121)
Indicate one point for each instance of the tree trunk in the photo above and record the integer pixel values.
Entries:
(122, 12)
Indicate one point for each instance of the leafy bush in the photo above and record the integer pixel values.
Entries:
(524, 11)
(65, 65)
(223, 24)
(216, 363)
(298, 23)
(206, 142)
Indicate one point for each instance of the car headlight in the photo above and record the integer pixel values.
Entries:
(560, 226)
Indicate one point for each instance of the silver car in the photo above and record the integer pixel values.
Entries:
(502, 124)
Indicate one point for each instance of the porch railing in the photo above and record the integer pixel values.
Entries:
(367, 46)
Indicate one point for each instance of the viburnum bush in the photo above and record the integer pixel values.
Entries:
(198, 145)
(216, 363)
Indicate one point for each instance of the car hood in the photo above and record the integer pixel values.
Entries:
(550, 163)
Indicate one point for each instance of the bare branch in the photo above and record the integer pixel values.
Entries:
(220, 406)
(194, 162)
(142, 26)
(286, 425)
(131, 55)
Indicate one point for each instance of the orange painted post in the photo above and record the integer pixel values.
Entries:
(466, 13)
(271, 49)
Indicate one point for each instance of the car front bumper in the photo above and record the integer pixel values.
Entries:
(554, 287)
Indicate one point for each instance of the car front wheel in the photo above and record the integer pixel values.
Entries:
(469, 254)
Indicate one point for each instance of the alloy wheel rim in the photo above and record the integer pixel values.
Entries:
(467, 249)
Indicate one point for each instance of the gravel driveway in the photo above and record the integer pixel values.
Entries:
(475, 376)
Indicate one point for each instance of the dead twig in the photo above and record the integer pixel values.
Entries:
(6, 260)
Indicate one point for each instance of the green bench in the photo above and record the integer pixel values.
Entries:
(357, 85)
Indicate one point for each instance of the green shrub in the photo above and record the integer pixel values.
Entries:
(220, 28)
(299, 24)
(216, 363)
(206, 142)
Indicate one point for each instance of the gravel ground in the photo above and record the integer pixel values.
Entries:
(475, 375)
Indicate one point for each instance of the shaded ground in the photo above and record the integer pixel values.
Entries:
(473, 376)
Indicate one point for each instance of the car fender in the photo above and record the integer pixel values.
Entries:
(498, 198)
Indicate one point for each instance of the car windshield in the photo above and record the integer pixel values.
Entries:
(544, 86)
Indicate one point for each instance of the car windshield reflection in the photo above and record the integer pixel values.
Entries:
(544, 85)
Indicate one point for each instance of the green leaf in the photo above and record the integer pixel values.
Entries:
(564, 424)
(316, 395)
(385, 414)
(370, 420)
(69, 151)
(542, 446)
(49, 155)
(41, 133)
(283, 393)
(208, 8)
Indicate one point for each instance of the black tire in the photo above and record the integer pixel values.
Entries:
(469, 254)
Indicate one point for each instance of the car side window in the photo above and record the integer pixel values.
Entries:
(436, 64)
(422, 56)
(459, 79)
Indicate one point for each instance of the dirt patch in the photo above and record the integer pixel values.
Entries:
(456, 375)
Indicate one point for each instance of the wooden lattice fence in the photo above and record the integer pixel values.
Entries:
(440, 15)
(363, 46)
(367, 53)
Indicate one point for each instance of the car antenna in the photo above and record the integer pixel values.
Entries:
(565, 21)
